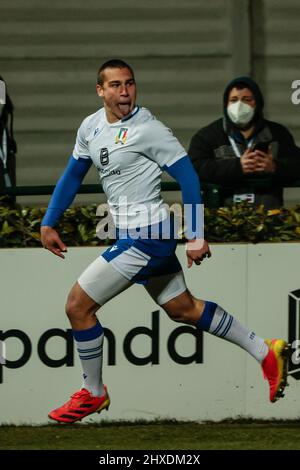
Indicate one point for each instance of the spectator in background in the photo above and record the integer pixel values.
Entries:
(242, 147)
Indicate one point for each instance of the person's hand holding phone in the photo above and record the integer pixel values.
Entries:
(248, 161)
(264, 162)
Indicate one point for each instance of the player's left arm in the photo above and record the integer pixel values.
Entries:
(183, 172)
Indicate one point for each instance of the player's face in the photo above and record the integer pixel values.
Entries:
(245, 95)
(118, 92)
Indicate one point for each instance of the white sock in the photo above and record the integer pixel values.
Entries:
(89, 346)
(226, 326)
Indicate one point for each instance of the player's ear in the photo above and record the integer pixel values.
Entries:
(99, 90)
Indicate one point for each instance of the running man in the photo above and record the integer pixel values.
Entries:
(130, 149)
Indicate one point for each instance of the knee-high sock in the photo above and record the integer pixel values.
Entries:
(217, 322)
(89, 346)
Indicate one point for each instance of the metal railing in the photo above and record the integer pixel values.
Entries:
(211, 191)
(84, 189)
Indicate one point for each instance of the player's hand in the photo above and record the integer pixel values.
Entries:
(248, 162)
(196, 251)
(52, 242)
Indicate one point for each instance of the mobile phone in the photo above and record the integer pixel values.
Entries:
(262, 146)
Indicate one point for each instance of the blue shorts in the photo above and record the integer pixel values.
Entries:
(151, 262)
(140, 259)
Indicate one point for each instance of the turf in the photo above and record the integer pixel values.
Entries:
(155, 436)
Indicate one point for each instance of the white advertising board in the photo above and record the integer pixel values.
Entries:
(154, 368)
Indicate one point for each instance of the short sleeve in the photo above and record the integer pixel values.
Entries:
(160, 145)
(81, 146)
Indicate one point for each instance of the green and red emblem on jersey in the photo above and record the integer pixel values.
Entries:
(121, 137)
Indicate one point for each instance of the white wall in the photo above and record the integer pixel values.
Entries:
(250, 281)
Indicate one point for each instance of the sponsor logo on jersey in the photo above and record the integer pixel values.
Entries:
(122, 135)
(106, 172)
(104, 159)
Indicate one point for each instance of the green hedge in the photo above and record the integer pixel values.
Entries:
(19, 226)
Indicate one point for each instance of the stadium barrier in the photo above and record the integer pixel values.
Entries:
(154, 368)
(211, 192)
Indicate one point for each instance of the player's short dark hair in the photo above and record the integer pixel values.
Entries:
(112, 64)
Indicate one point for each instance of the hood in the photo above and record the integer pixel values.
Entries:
(253, 86)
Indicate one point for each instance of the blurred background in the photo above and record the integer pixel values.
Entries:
(183, 54)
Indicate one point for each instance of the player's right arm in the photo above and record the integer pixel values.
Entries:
(162, 147)
(63, 195)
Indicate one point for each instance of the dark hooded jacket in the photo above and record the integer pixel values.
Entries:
(216, 161)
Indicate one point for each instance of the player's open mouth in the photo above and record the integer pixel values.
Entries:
(124, 108)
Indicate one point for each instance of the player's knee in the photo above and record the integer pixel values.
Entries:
(177, 316)
(71, 309)
(78, 311)
(185, 312)
(182, 316)
(74, 309)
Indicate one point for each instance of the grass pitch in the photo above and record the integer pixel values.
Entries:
(268, 435)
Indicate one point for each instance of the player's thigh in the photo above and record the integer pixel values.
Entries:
(164, 288)
(101, 281)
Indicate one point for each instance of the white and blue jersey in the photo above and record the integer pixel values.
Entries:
(129, 156)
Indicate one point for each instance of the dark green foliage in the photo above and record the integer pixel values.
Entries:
(243, 223)
(19, 226)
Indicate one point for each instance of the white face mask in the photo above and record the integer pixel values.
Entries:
(240, 113)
